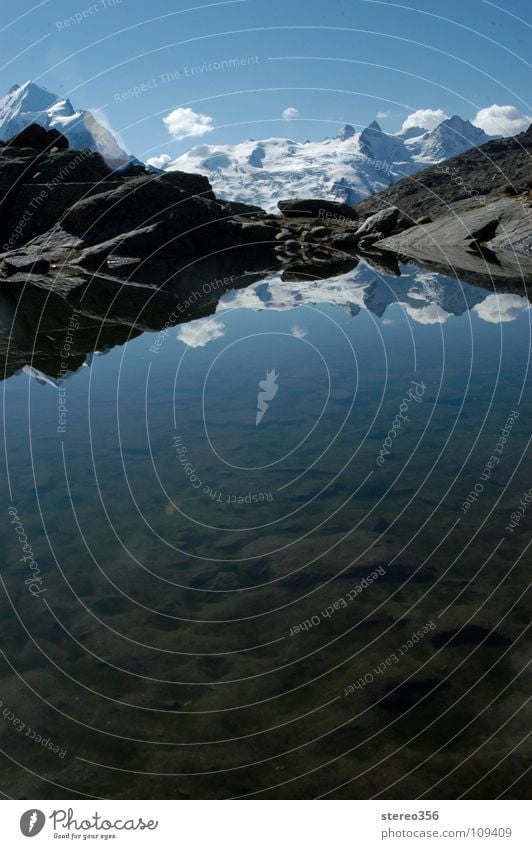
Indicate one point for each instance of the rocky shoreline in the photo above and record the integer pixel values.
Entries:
(125, 249)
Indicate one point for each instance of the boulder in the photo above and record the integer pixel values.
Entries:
(344, 241)
(191, 184)
(380, 225)
(326, 211)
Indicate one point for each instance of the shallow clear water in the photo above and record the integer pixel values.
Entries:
(228, 608)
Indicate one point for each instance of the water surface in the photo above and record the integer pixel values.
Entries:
(330, 602)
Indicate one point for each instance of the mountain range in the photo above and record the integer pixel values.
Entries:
(348, 167)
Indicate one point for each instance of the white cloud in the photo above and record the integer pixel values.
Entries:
(182, 123)
(197, 334)
(427, 314)
(498, 308)
(428, 119)
(159, 161)
(383, 114)
(289, 113)
(298, 332)
(498, 120)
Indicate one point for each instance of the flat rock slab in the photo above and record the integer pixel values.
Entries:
(497, 225)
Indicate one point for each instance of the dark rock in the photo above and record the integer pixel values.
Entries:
(191, 184)
(327, 211)
(331, 266)
(344, 241)
(485, 231)
(39, 206)
(319, 232)
(233, 207)
(292, 245)
(132, 168)
(71, 166)
(367, 242)
(139, 203)
(13, 172)
(37, 188)
(155, 239)
(39, 138)
(321, 253)
(383, 263)
(255, 231)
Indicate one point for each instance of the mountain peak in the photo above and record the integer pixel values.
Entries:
(29, 103)
(450, 138)
(29, 85)
(378, 145)
(346, 132)
(455, 123)
(27, 97)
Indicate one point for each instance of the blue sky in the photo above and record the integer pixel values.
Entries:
(241, 64)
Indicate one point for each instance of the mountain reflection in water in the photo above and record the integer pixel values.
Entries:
(329, 599)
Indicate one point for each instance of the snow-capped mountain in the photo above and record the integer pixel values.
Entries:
(345, 168)
(30, 104)
(450, 138)
(410, 133)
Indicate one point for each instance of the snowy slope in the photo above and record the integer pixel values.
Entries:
(31, 104)
(450, 138)
(345, 168)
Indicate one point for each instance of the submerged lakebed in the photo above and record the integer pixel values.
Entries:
(277, 547)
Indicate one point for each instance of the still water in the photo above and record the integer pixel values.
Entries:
(277, 552)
